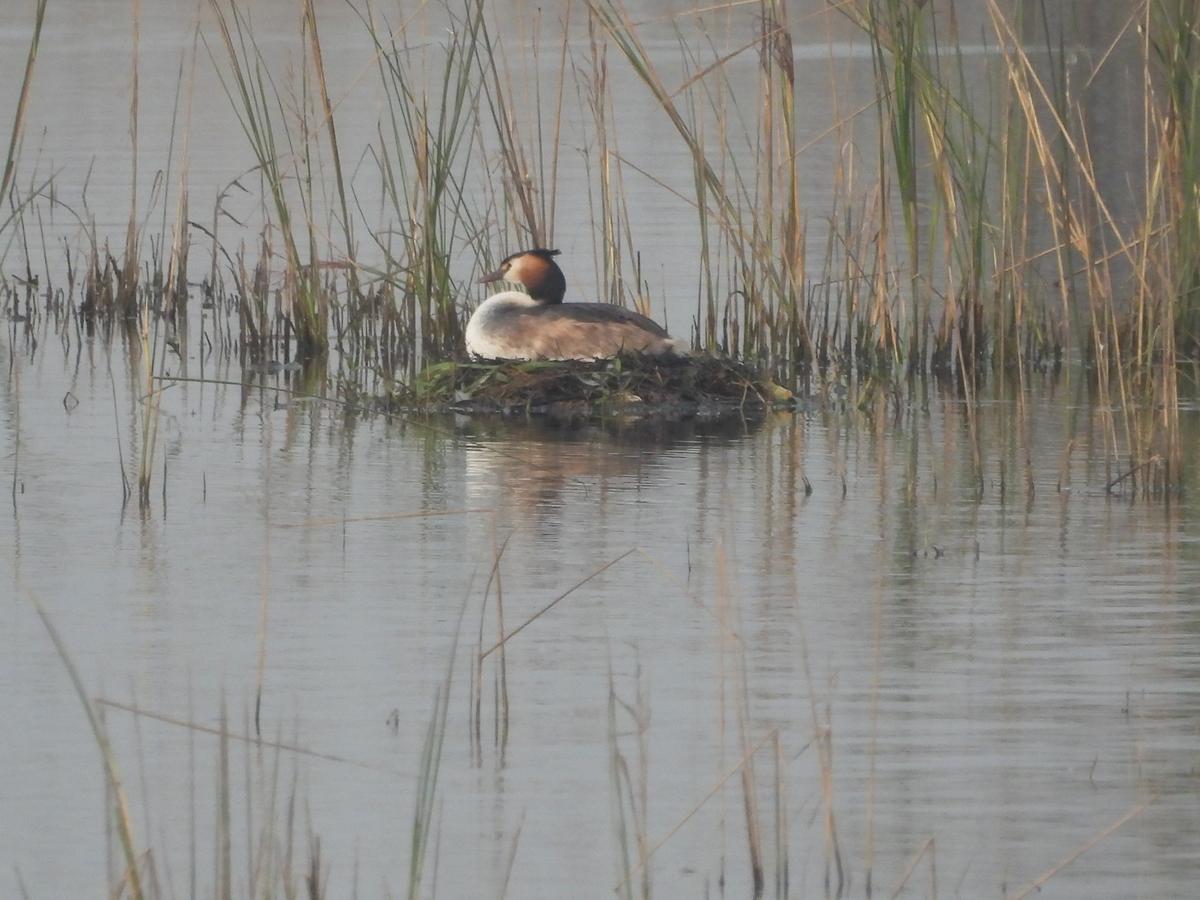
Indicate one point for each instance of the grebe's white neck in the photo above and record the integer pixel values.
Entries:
(480, 339)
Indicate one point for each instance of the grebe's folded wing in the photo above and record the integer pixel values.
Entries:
(597, 314)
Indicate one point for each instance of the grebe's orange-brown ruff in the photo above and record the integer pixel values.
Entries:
(538, 325)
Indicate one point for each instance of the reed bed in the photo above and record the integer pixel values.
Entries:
(977, 241)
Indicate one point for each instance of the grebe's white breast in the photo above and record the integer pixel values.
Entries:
(488, 333)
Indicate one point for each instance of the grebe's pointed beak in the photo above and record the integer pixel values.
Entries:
(495, 276)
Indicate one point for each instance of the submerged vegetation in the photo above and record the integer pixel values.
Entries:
(969, 234)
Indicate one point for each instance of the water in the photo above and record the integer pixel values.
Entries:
(993, 654)
(1036, 657)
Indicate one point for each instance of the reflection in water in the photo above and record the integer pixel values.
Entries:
(957, 635)
(541, 464)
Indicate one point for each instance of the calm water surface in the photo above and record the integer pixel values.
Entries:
(943, 646)
(1005, 674)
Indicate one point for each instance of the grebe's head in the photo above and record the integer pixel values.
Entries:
(536, 271)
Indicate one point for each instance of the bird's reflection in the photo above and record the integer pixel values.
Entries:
(534, 465)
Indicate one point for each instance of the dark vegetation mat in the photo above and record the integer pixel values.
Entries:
(628, 385)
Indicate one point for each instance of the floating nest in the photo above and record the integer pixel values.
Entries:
(625, 386)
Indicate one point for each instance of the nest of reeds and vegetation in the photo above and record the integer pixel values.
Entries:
(630, 385)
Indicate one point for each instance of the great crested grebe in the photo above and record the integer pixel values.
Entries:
(538, 325)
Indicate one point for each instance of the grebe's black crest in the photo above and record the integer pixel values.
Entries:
(538, 251)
